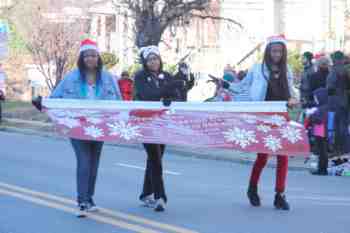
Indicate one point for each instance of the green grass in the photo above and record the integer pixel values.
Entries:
(294, 113)
(16, 105)
(22, 110)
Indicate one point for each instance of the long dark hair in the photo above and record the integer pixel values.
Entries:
(83, 70)
(282, 67)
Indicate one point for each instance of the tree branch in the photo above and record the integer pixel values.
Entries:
(180, 9)
(218, 18)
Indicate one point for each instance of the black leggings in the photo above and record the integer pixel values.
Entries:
(153, 182)
(322, 149)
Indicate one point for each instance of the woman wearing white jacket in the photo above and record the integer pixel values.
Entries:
(269, 81)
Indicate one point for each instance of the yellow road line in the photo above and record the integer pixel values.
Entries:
(110, 221)
(128, 217)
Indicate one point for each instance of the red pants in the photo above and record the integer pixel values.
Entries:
(281, 172)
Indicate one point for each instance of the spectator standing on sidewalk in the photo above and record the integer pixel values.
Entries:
(126, 85)
(338, 85)
(318, 116)
(2, 90)
(185, 75)
(309, 69)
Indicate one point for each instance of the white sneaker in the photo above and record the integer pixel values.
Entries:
(148, 201)
(160, 205)
(82, 210)
(91, 207)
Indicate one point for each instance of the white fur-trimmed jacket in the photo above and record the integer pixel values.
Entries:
(254, 86)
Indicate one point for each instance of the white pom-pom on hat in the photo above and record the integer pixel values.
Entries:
(146, 51)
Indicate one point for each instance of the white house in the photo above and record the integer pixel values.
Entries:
(111, 28)
(316, 25)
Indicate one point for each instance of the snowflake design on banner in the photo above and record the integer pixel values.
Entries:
(276, 120)
(69, 122)
(250, 119)
(272, 143)
(93, 132)
(292, 134)
(240, 137)
(94, 120)
(124, 130)
(263, 128)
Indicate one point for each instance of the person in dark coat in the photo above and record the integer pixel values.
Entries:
(338, 85)
(309, 69)
(318, 117)
(319, 78)
(154, 84)
(184, 75)
(2, 99)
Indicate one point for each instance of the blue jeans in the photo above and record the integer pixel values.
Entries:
(88, 155)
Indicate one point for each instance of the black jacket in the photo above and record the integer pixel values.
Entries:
(320, 116)
(189, 83)
(150, 88)
(318, 80)
(338, 85)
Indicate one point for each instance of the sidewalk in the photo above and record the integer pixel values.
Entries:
(46, 130)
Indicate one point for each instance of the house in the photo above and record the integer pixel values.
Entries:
(315, 25)
(112, 29)
(111, 26)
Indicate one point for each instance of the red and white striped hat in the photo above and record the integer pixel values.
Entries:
(88, 44)
(277, 39)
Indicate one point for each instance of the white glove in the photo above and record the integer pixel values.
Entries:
(310, 111)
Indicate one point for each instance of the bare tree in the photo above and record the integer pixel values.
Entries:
(153, 17)
(52, 38)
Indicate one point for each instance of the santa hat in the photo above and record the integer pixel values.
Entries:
(146, 51)
(319, 55)
(88, 44)
(277, 39)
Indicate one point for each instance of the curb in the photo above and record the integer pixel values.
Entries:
(181, 151)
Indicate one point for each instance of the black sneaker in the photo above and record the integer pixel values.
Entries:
(82, 210)
(160, 205)
(253, 196)
(280, 202)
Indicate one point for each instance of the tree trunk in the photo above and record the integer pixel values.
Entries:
(59, 71)
(148, 30)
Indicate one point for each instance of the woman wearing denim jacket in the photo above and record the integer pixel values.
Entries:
(88, 81)
(271, 81)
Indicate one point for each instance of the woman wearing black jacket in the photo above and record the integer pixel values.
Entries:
(153, 84)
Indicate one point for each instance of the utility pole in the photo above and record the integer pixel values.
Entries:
(330, 31)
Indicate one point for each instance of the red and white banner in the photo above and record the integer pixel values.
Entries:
(245, 126)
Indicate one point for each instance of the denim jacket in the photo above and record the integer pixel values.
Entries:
(258, 87)
(70, 87)
(240, 90)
